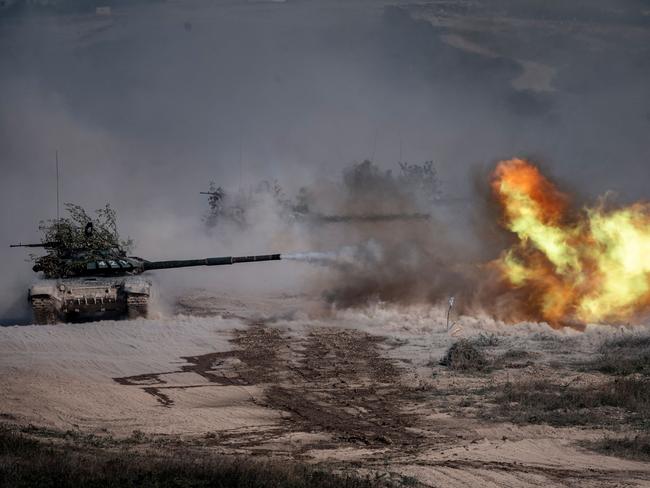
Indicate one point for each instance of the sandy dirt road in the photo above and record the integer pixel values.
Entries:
(355, 390)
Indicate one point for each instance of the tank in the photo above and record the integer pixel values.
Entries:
(220, 209)
(81, 284)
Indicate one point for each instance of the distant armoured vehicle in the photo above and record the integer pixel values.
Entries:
(222, 207)
(90, 276)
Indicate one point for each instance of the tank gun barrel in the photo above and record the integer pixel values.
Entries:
(50, 245)
(371, 217)
(219, 261)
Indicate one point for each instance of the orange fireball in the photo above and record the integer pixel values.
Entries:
(589, 266)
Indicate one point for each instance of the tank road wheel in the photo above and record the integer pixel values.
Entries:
(44, 311)
(137, 306)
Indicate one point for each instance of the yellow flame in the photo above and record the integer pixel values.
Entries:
(589, 266)
(621, 251)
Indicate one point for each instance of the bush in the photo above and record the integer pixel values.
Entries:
(464, 356)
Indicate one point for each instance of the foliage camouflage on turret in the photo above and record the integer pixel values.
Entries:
(215, 205)
(71, 240)
(232, 207)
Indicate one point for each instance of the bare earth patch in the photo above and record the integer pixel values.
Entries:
(358, 392)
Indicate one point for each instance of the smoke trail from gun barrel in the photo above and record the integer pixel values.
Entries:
(311, 257)
(363, 255)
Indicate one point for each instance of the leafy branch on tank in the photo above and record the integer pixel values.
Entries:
(69, 239)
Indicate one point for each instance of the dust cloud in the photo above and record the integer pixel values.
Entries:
(149, 104)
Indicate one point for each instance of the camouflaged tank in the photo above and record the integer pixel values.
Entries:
(105, 284)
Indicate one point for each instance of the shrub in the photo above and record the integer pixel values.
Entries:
(464, 356)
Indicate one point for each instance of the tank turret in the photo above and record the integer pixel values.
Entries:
(108, 263)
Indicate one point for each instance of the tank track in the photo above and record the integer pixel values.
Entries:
(137, 306)
(44, 311)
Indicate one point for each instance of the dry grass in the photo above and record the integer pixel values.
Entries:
(513, 358)
(630, 447)
(623, 356)
(486, 340)
(624, 400)
(27, 462)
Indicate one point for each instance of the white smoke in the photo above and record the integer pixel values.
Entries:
(363, 256)
(252, 93)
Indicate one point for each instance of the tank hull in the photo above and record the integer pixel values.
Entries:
(90, 298)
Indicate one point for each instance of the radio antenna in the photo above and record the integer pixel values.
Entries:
(56, 155)
(374, 146)
(400, 148)
(241, 157)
